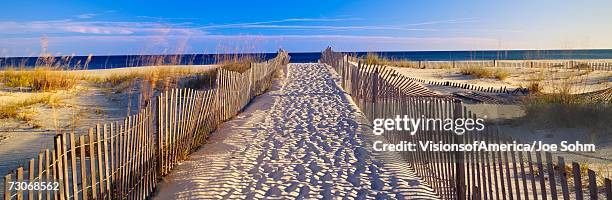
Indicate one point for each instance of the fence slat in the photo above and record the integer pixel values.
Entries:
(551, 176)
(65, 165)
(73, 165)
(577, 180)
(59, 167)
(19, 181)
(608, 188)
(592, 185)
(541, 174)
(563, 177)
(532, 177)
(7, 189)
(40, 174)
(106, 154)
(83, 163)
(99, 161)
(55, 176)
(92, 163)
(31, 178)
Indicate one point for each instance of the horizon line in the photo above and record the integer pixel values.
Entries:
(269, 52)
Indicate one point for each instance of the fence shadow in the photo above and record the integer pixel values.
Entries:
(126, 159)
(461, 174)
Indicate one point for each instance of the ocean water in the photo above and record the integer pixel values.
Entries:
(105, 62)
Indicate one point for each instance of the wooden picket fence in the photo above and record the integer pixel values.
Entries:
(187, 116)
(469, 174)
(505, 90)
(519, 90)
(593, 64)
(125, 160)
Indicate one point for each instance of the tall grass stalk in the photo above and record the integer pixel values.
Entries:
(375, 59)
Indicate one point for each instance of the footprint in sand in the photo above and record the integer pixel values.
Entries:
(311, 146)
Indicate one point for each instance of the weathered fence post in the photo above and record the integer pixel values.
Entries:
(374, 91)
(7, 192)
(459, 156)
(592, 184)
(250, 79)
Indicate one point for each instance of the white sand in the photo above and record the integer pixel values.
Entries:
(76, 110)
(551, 79)
(303, 140)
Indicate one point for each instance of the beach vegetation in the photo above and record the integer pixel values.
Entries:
(581, 66)
(38, 79)
(237, 66)
(200, 81)
(238, 63)
(561, 107)
(12, 110)
(483, 72)
(535, 87)
(375, 59)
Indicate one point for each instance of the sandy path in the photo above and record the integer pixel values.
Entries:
(301, 140)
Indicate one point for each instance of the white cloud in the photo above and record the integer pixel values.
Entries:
(316, 27)
(449, 21)
(93, 27)
(98, 30)
(234, 25)
(276, 24)
(86, 16)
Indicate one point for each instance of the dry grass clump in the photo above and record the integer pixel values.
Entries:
(561, 106)
(482, 72)
(534, 87)
(401, 63)
(118, 79)
(200, 80)
(563, 109)
(153, 74)
(581, 66)
(238, 63)
(12, 110)
(374, 59)
(38, 79)
(237, 66)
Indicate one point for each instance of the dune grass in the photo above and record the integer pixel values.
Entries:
(561, 106)
(238, 63)
(572, 111)
(535, 87)
(375, 59)
(237, 66)
(482, 72)
(581, 66)
(39, 79)
(159, 78)
(12, 110)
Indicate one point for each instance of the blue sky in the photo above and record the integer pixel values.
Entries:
(152, 27)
